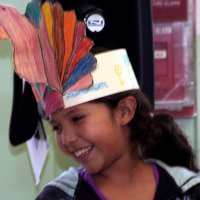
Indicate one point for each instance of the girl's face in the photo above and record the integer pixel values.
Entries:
(92, 134)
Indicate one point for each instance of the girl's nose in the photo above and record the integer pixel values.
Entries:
(69, 136)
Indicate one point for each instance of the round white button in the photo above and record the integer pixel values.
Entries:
(95, 22)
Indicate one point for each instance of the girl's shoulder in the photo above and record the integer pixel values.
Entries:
(69, 185)
(63, 186)
(176, 182)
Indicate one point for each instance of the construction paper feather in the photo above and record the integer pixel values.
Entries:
(85, 66)
(58, 34)
(50, 50)
(27, 52)
(33, 12)
(3, 34)
(48, 17)
(69, 26)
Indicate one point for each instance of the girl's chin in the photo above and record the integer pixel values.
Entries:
(93, 169)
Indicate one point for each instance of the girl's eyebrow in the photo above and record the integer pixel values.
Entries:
(51, 121)
(73, 111)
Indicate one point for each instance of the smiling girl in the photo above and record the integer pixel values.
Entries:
(124, 149)
(100, 116)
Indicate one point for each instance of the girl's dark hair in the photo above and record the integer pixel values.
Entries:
(155, 135)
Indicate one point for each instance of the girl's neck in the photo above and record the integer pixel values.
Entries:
(127, 181)
(121, 174)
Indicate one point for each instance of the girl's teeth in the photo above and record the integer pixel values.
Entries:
(82, 152)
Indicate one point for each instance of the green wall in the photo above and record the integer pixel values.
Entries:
(16, 176)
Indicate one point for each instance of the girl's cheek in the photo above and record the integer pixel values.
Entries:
(62, 147)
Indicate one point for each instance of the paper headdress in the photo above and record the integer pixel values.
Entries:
(52, 53)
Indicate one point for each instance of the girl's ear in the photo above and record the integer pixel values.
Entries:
(126, 109)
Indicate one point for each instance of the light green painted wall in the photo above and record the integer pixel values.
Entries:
(16, 177)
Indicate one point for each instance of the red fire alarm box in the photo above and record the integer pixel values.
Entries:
(174, 56)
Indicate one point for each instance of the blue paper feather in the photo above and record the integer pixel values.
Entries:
(33, 12)
(86, 65)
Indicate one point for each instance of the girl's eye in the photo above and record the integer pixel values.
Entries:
(77, 118)
(57, 128)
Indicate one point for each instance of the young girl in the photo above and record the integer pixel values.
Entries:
(125, 150)
(103, 120)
